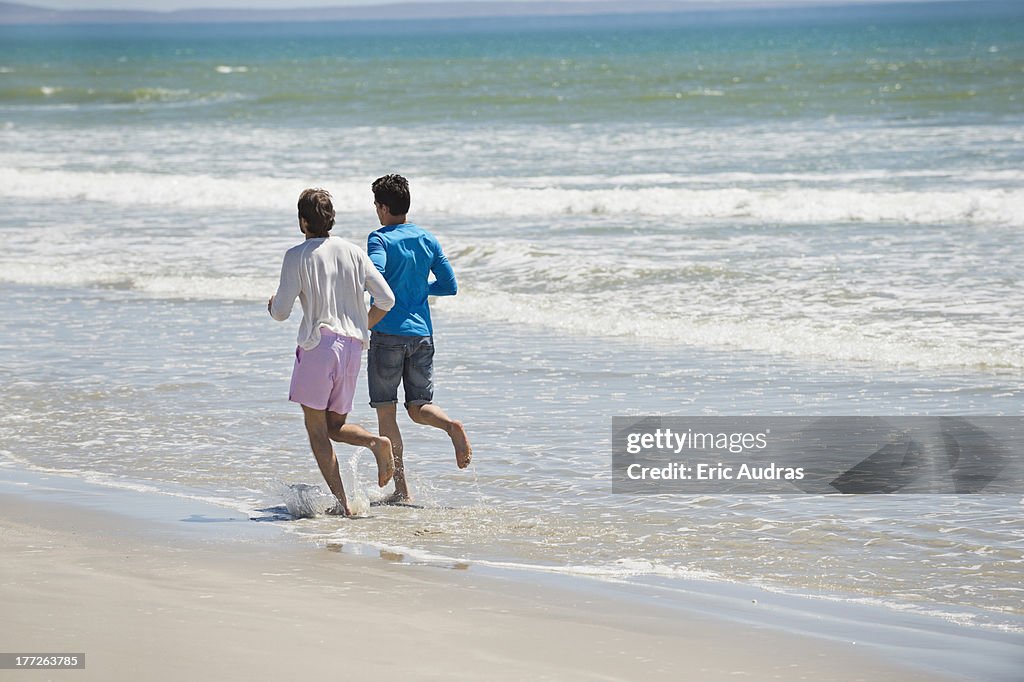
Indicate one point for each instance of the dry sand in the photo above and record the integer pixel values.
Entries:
(149, 606)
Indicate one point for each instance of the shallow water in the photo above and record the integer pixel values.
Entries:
(737, 250)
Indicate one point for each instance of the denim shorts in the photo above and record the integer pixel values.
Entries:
(406, 359)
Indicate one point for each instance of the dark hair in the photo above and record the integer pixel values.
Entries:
(392, 191)
(316, 207)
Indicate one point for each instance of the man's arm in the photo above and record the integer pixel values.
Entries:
(281, 303)
(374, 316)
(376, 251)
(383, 297)
(444, 283)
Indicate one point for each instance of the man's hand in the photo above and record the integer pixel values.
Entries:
(270, 304)
(374, 316)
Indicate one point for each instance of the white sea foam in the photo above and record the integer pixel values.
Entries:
(161, 94)
(788, 205)
(741, 319)
(232, 288)
(624, 571)
(185, 286)
(618, 570)
(186, 191)
(768, 178)
(823, 338)
(304, 501)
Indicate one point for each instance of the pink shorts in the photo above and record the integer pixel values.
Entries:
(324, 378)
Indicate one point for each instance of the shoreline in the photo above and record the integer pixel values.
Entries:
(181, 551)
(647, 218)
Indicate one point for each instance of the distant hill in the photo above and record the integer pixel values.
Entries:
(12, 13)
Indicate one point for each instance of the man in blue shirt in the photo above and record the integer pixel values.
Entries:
(401, 344)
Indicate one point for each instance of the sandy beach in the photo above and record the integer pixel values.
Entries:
(815, 211)
(145, 605)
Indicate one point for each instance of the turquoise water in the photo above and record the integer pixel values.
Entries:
(683, 70)
(809, 213)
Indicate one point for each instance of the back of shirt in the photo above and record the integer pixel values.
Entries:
(328, 276)
(406, 255)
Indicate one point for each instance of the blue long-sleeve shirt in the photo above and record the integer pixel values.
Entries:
(406, 254)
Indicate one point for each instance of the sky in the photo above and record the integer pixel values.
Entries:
(164, 5)
(159, 5)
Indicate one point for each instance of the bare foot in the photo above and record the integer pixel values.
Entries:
(381, 450)
(396, 498)
(339, 510)
(463, 450)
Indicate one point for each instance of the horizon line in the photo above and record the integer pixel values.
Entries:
(21, 13)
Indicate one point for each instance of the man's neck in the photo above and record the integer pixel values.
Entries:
(396, 220)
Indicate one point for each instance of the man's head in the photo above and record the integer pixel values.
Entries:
(391, 197)
(316, 212)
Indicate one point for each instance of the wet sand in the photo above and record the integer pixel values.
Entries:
(143, 604)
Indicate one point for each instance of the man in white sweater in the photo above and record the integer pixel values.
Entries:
(328, 275)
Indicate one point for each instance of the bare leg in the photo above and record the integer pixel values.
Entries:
(387, 426)
(353, 434)
(320, 442)
(432, 415)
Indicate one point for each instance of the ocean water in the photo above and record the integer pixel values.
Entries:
(806, 213)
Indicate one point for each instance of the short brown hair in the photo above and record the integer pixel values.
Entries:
(316, 208)
(392, 191)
